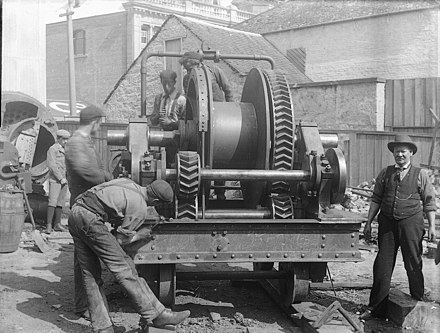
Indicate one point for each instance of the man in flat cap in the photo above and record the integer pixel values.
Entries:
(403, 192)
(221, 88)
(169, 105)
(85, 169)
(168, 109)
(123, 204)
(57, 182)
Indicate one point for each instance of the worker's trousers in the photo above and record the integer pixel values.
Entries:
(94, 242)
(408, 235)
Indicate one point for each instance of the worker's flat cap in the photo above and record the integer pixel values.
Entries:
(63, 134)
(90, 113)
(191, 55)
(167, 75)
(162, 190)
(402, 140)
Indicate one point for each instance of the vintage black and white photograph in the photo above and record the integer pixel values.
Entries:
(220, 166)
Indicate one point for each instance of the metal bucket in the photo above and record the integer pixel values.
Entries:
(11, 220)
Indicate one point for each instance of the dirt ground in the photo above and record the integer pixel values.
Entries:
(36, 292)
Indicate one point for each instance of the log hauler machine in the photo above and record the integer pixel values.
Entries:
(288, 175)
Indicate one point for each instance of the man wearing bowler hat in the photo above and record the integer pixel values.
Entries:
(402, 194)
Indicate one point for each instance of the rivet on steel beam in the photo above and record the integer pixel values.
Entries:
(251, 255)
(352, 235)
(153, 247)
(224, 233)
(322, 245)
(197, 256)
(159, 257)
(140, 257)
(285, 255)
(268, 255)
(178, 256)
(153, 237)
(319, 255)
(323, 237)
(232, 256)
(214, 255)
(337, 255)
(353, 254)
(214, 233)
(303, 255)
(352, 244)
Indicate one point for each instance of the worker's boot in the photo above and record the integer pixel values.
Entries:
(50, 213)
(57, 220)
(165, 318)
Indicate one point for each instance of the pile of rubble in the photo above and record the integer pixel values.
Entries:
(357, 199)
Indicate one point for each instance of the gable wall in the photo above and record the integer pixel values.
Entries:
(394, 46)
(124, 102)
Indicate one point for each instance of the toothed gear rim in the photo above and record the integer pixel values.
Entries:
(188, 181)
(283, 125)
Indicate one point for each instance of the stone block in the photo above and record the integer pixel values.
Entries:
(164, 329)
(406, 312)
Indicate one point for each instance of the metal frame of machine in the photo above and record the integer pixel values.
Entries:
(289, 176)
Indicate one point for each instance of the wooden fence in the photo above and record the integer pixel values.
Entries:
(407, 104)
(366, 153)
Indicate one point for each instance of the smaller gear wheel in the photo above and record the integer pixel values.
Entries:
(282, 207)
(188, 181)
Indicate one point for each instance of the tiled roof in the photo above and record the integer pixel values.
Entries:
(231, 41)
(302, 13)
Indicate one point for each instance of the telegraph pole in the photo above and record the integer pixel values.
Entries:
(71, 58)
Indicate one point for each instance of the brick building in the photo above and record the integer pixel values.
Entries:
(180, 34)
(337, 40)
(106, 45)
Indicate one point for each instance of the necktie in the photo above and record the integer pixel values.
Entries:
(398, 172)
(164, 105)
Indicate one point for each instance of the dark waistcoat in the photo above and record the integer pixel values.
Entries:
(401, 198)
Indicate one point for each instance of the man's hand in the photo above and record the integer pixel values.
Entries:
(165, 121)
(367, 230)
(431, 233)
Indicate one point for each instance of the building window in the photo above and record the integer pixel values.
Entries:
(175, 46)
(147, 32)
(79, 42)
(298, 58)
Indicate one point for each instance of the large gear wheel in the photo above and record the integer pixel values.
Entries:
(188, 181)
(283, 133)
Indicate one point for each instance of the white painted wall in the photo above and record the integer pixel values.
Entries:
(397, 46)
(24, 48)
